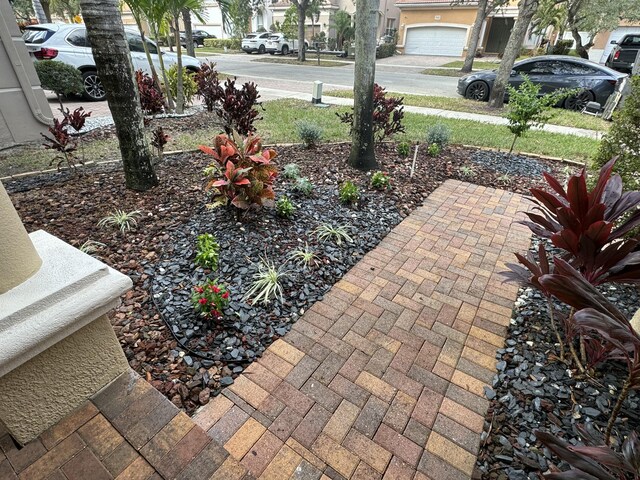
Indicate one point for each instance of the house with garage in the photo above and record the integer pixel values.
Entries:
(438, 27)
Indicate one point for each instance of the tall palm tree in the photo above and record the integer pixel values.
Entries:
(113, 62)
(363, 155)
(138, 9)
(343, 25)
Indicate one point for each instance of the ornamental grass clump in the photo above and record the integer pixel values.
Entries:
(124, 221)
(327, 232)
(210, 299)
(593, 229)
(304, 256)
(242, 175)
(266, 285)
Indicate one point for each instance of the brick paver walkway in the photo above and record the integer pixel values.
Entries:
(385, 376)
(382, 378)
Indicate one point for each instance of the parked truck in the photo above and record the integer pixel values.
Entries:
(624, 53)
(278, 43)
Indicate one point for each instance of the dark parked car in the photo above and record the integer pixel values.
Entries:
(624, 53)
(552, 72)
(198, 38)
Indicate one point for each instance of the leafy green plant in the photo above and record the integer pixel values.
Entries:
(440, 134)
(304, 186)
(229, 43)
(380, 180)
(284, 207)
(190, 88)
(207, 251)
(60, 78)
(528, 108)
(467, 171)
(349, 192)
(504, 179)
(291, 171)
(242, 174)
(310, 134)
(125, 221)
(339, 234)
(434, 150)
(404, 148)
(304, 256)
(623, 140)
(210, 299)
(266, 285)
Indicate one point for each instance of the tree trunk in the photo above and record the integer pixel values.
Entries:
(474, 40)
(113, 63)
(363, 155)
(582, 50)
(188, 32)
(301, 18)
(525, 13)
(163, 70)
(152, 67)
(46, 8)
(179, 80)
(39, 11)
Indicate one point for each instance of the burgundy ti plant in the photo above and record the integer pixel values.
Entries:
(61, 141)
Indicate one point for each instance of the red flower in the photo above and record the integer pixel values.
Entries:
(215, 313)
(225, 295)
(202, 301)
(199, 289)
(215, 289)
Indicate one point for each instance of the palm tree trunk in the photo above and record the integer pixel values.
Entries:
(113, 63)
(39, 11)
(179, 80)
(188, 32)
(475, 35)
(163, 70)
(46, 7)
(363, 155)
(152, 67)
(526, 11)
(301, 19)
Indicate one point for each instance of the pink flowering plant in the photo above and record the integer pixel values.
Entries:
(210, 299)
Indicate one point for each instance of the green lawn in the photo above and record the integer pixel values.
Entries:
(477, 65)
(276, 126)
(207, 51)
(311, 61)
(458, 104)
(443, 72)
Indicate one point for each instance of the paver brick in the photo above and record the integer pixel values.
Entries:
(379, 388)
(54, 458)
(284, 465)
(22, 458)
(138, 470)
(118, 460)
(452, 453)
(229, 470)
(249, 391)
(100, 436)
(167, 438)
(371, 416)
(183, 452)
(283, 426)
(341, 421)
(399, 445)
(367, 450)
(68, 425)
(246, 436)
(208, 415)
(85, 465)
(262, 453)
(286, 351)
(335, 455)
(311, 425)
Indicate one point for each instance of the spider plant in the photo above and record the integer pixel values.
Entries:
(466, 171)
(266, 283)
(304, 256)
(339, 234)
(90, 247)
(125, 221)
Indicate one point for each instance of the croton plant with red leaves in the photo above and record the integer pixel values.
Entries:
(242, 175)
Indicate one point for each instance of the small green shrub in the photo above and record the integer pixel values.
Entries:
(440, 134)
(466, 171)
(563, 47)
(309, 133)
(380, 181)
(207, 252)
(386, 50)
(189, 85)
(59, 77)
(623, 140)
(434, 150)
(230, 43)
(291, 171)
(304, 256)
(284, 207)
(125, 221)
(349, 192)
(266, 283)
(210, 299)
(339, 234)
(404, 148)
(304, 186)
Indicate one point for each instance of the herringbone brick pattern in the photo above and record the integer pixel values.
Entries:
(384, 377)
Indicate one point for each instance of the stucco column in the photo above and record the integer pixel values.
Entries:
(18, 257)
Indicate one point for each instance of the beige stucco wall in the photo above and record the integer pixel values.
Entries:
(415, 17)
(44, 390)
(24, 109)
(18, 257)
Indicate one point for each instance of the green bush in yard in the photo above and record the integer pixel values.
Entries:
(623, 140)
(60, 78)
(439, 134)
(189, 85)
(310, 134)
(230, 43)
(386, 50)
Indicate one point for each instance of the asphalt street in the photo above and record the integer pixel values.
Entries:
(402, 79)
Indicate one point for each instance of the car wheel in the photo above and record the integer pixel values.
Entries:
(261, 49)
(285, 50)
(578, 102)
(478, 91)
(93, 89)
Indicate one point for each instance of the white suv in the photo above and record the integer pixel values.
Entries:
(255, 42)
(68, 43)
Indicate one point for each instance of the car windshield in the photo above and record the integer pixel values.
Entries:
(36, 35)
(274, 37)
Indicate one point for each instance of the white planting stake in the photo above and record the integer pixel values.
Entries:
(413, 164)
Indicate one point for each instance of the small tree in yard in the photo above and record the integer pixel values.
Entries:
(60, 78)
(527, 108)
(623, 139)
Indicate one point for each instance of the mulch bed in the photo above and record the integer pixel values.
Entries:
(159, 252)
(534, 391)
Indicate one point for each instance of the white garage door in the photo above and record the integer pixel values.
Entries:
(447, 41)
(616, 35)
